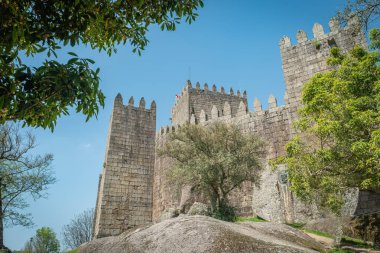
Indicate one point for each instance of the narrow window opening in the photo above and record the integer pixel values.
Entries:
(332, 43)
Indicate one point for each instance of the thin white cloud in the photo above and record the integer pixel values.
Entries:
(85, 146)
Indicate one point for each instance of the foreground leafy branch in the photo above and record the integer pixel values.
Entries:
(38, 96)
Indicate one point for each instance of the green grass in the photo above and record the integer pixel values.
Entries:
(341, 251)
(252, 219)
(72, 251)
(320, 233)
(296, 225)
(345, 241)
(356, 242)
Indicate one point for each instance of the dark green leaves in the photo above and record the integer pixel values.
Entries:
(38, 96)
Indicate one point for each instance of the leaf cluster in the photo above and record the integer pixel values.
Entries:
(102, 24)
(45, 241)
(38, 96)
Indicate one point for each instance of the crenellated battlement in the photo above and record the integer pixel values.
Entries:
(192, 100)
(131, 103)
(164, 130)
(118, 102)
(223, 113)
(188, 87)
(319, 35)
(306, 58)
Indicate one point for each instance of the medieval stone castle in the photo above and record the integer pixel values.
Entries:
(132, 187)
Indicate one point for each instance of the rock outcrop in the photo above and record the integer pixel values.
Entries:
(198, 209)
(201, 234)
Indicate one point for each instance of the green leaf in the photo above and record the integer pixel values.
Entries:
(91, 61)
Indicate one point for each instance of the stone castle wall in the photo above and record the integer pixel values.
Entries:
(193, 101)
(126, 184)
(134, 189)
(274, 125)
(368, 203)
(308, 57)
(165, 195)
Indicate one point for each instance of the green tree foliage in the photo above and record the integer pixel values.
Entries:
(338, 144)
(39, 95)
(21, 173)
(45, 241)
(215, 160)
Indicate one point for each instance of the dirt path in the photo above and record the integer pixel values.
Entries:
(327, 242)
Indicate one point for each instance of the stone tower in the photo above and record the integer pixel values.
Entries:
(192, 101)
(125, 186)
(308, 57)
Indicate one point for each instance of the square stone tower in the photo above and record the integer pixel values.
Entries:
(302, 61)
(196, 103)
(125, 187)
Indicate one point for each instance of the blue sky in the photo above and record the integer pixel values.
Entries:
(233, 43)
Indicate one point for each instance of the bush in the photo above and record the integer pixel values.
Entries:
(224, 212)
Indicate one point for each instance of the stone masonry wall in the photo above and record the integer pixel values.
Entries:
(302, 61)
(193, 100)
(125, 190)
(165, 195)
(369, 202)
(271, 125)
(272, 199)
(131, 192)
(181, 109)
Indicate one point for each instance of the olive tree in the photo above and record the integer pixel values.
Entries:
(215, 160)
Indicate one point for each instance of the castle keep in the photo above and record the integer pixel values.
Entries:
(132, 187)
(125, 186)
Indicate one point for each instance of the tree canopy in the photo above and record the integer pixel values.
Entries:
(337, 147)
(45, 241)
(37, 96)
(214, 159)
